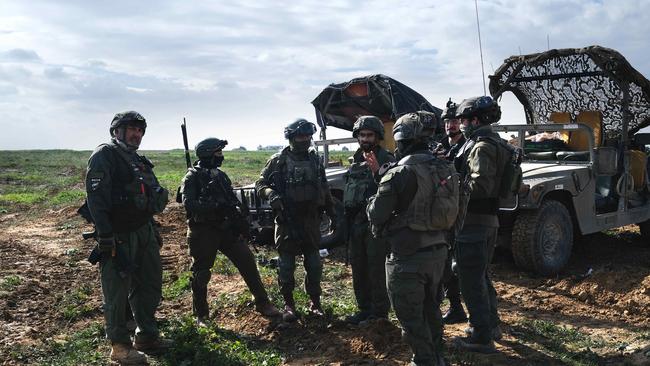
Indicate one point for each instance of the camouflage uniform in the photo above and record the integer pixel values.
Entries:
(367, 253)
(123, 194)
(214, 223)
(298, 180)
(478, 163)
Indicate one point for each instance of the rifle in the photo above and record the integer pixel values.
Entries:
(123, 265)
(236, 219)
(293, 233)
(188, 161)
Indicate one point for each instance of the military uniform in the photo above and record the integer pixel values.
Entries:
(297, 179)
(214, 223)
(123, 195)
(367, 253)
(479, 167)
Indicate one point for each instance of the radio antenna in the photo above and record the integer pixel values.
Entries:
(480, 46)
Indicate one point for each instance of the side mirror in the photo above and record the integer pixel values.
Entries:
(606, 159)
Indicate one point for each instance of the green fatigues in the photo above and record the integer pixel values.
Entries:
(414, 267)
(480, 164)
(299, 179)
(367, 253)
(207, 197)
(123, 194)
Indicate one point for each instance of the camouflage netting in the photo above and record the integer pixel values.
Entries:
(574, 80)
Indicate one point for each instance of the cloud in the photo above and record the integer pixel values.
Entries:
(258, 64)
(20, 55)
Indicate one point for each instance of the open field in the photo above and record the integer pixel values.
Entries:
(50, 297)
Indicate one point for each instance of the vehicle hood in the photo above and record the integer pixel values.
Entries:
(533, 173)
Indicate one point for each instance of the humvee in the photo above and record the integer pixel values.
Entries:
(585, 166)
(338, 106)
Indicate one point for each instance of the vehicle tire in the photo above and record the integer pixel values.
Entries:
(542, 239)
(644, 228)
(330, 239)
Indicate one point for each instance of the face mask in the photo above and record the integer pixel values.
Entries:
(299, 146)
(217, 160)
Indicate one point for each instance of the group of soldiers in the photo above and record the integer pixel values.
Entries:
(408, 214)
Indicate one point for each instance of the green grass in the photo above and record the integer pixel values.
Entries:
(178, 287)
(85, 347)
(74, 304)
(10, 283)
(213, 346)
(564, 343)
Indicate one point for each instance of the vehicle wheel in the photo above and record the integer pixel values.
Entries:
(542, 239)
(644, 228)
(330, 239)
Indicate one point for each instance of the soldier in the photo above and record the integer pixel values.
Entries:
(448, 148)
(415, 206)
(215, 222)
(123, 195)
(479, 165)
(367, 253)
(294, 182)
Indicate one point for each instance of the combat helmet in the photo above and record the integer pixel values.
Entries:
(128, 118)
(428, 119)
(450, 110)
(485, 108)
(299, 127)
(408, 127)
(371, 123)
(206, 148)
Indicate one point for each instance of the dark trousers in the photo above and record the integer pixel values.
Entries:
(474, 250)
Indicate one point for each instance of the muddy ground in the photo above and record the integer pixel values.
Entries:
(601, 303)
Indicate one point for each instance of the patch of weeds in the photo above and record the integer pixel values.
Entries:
(223, 265)
(25, 198)
(74, 304)
(564, 343)
(178, 287)
(68, 197)
(86, 347)
(213, 346)
(3, 210)
(10, 283)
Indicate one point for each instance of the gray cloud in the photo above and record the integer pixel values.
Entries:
(20, 55)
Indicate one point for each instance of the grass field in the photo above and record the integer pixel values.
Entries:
(55, 178)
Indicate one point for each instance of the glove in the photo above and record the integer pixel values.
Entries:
(276, 202)
(106, 245)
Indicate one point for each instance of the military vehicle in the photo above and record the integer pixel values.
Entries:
(338, 106)
(585, 166)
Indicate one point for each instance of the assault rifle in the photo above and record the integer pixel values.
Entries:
(122, 263)
(292, 230)
(188, 161)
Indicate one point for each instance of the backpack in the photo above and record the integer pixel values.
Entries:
(511, 175)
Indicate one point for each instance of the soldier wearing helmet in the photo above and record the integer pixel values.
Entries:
(367, 254)
(448, 148)
(294, 182)
(478, 163)
(409, 210)
(215, 222)
(123, 194)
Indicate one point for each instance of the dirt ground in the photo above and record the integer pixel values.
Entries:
(604, 294)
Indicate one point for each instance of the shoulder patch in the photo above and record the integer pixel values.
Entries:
(95, 180)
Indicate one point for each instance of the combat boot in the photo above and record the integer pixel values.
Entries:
(289, 314)
(267, 309)
(357, 318)
(154, 346)
(200, 306)
(472, 344)
(454, 315)
(125, 354)
(315, 307)
(497, 334)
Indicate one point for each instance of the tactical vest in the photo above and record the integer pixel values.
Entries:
(136, 200)
(213, 189)
(302, 179)
(435, 204)
(359, 186)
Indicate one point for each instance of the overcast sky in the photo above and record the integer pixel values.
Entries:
(243, 71)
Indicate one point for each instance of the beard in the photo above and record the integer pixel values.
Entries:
(366, 146)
